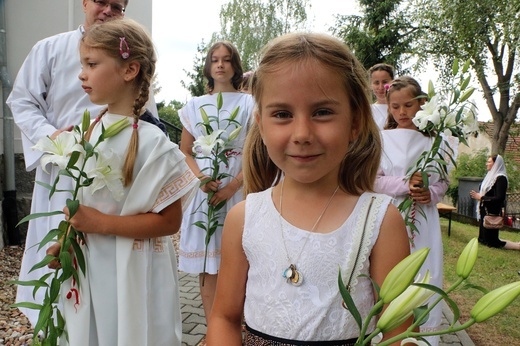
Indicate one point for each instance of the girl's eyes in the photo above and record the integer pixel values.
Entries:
(323, 112)
(286, 115)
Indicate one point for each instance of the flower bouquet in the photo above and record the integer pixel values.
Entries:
(70, 151)
(447, 117)
(406, 298)
(217, 146)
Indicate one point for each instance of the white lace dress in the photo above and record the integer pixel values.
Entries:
(312, 311)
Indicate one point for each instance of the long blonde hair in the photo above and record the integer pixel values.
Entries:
(115, 38)
(359, 167)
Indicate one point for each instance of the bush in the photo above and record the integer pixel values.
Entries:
(475, 166)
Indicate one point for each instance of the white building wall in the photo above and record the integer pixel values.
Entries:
(28, 21)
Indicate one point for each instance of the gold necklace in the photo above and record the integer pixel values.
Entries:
(291, 274)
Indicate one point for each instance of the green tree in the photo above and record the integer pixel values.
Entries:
(488, 33)
(170, 114)
(250, 24)
(197, 84)
(381, 34)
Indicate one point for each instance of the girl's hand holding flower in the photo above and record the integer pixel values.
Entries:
(418, 192)
(86, 219)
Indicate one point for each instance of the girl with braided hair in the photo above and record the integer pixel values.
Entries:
(129, 293)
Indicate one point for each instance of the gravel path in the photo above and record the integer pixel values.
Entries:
(15, 329)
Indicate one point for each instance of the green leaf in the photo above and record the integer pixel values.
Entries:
(43, 263)
(53, 234)
(54, 290)
(418, 312)
(349, 302)
(80, 258)
(36, 283)
(73, 206)
(27, 305)
(43, 318)
(37, 215)
(66, 264)
(74, 157)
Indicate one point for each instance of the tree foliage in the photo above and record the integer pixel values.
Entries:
(383, 33)
(487, 32)
(196, 85)
(250, 24)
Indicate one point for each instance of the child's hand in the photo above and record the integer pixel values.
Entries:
(211, 185)
(416, 180)
(86, 219)
(421, 195)
(54, 250)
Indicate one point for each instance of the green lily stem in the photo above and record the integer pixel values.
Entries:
(409, 332)
(377, 306)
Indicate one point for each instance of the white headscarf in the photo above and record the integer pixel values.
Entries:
(498, 168)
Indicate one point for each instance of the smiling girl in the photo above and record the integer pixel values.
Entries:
(309, 164)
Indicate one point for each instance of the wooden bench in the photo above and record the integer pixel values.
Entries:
(446, 210)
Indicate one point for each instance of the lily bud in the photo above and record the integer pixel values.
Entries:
(402, 275)
(234, 113)
(466, 94)
(234, 134)
(116, 127)
(204, 115)
(85, 122)
(495, 301)
(467, 259)
(401, 308)
(220, 101)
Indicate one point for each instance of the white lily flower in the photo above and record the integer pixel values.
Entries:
(107, 172)
(469, 120)
(430, 112)
(57, 151)
(205, 144)
(413, 341)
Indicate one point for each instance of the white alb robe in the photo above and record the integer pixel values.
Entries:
(401, 149)
(130, 294)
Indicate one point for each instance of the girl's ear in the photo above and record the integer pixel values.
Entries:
(131, 71)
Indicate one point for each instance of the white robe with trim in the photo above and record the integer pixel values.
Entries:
(130, 294)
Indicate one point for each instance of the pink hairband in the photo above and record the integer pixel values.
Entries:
(126, 52)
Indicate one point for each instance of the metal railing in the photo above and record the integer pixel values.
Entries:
(173, 131)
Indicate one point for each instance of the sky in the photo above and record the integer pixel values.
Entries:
(178, 27)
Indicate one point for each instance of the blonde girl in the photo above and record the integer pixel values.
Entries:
(223, 70)
(403, 143)
(129, 294)
(380, 75)
(309, 166)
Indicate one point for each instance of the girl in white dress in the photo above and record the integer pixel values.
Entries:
(309, 166)
(380, 75)
(223, 71)
(129, 293)
(403, 143)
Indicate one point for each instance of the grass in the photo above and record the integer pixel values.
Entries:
(494, 268)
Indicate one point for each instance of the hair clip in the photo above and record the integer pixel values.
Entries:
(124, 53)
(135, 126)
(387, 86)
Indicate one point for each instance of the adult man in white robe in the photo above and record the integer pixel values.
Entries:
(47, 99)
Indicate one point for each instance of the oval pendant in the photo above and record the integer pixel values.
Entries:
(297, 279)
(288, 273)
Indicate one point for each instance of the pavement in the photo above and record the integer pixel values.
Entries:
(194, 322)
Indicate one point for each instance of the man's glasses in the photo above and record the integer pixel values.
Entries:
(115, 8)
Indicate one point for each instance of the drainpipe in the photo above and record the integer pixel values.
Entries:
(9, 203)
